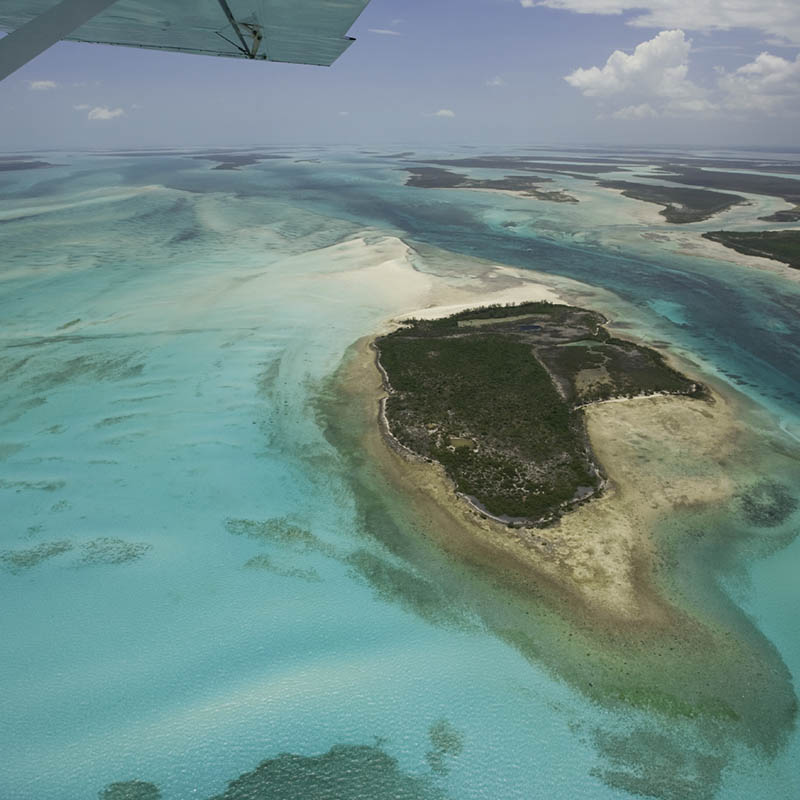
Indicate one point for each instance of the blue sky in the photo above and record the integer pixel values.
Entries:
(706, 72)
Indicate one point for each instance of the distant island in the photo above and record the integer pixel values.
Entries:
(527, 185)
(232, 161)
(738, 181)
(495, 395)
(12, 164)
(778, 245)
(680, 204)
(787, 215)
(708, 184)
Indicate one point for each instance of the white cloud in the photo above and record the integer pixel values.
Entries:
(642, 111)
(103, 112)
(82, 107)
(654, 76)
(769, 84)
(777, 18)
(344, 113)
(658, 66)
(653, 81)
(496, 81)
(41, 86)
(444, 112)
(384, 32)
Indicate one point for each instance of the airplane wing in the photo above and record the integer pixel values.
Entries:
(294, 31)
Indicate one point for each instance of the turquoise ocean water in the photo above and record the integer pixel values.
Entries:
(189, 587)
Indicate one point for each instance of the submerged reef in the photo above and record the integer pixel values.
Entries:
(345, 772)
(446, 743)
(266, 564)
(767, 504)
(110, 550)
(16, 561)
(280, 531)
(495, 396)
(283, 532)
(650, 764)
(103, 550)
(277, 530)
(130, 790)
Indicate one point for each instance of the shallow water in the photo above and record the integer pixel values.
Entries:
(191, 583)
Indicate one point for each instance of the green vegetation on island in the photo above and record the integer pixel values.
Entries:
(778, 245)
(680, 205)
(232, 161)
(749, 182)
(438, 178)
(495, 395)
(787, 215)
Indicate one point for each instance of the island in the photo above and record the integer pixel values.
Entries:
(578, 167)
(787, 215)
(587, 582)
(496, 396)
(13, 164)
(680, 204)
(232, 161)
(738, 181)
(778, 245)
(523, 185)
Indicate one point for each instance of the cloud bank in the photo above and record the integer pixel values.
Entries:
(779, 19)
(654, 81)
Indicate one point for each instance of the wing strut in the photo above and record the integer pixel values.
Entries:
(247, 50)
(34, 37)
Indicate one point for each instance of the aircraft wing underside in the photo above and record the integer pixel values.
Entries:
(295, 31)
